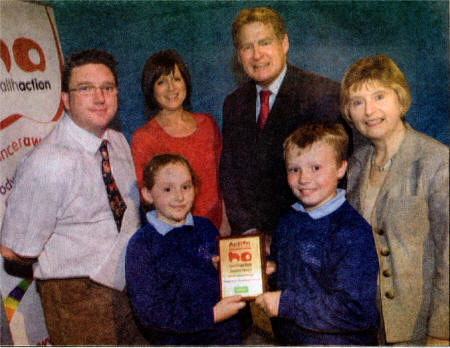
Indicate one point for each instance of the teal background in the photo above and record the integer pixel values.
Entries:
(325, 37)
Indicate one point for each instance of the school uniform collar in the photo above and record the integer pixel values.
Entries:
(162, 227)
(325, 209)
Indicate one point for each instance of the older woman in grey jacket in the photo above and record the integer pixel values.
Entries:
(399, 182)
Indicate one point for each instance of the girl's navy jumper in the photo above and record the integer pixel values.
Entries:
(173, 285)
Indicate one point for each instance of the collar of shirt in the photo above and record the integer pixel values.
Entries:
(164, 228)
(86, 139)
(325, 209)
(274, 88)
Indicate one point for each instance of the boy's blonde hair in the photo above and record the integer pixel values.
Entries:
(309, 133)
(371, 70)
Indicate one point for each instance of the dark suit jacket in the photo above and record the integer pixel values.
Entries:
(252, 170)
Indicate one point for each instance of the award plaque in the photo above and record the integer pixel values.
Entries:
(242, 266)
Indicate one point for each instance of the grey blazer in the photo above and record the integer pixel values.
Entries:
(410, 224)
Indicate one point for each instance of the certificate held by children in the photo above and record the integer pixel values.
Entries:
(242, 265)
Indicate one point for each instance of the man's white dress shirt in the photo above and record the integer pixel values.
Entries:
(59, 211)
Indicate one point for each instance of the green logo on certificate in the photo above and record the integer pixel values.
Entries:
(241, 289)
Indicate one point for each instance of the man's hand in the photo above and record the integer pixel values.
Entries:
(215, 261)
(267, 242)
(271, 267)
(225, 228)
(227, 307)
(269, 302)
(10, 255)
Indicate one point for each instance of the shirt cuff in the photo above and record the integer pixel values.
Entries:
(250, 231)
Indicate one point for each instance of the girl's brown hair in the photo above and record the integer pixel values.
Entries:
(155, 164)
(158, 162)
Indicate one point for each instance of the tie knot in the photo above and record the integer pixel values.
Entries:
(264, 95)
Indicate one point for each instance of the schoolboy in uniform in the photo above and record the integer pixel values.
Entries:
(324, 253)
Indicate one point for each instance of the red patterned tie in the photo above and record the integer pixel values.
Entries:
(116, 202)
(264, 110)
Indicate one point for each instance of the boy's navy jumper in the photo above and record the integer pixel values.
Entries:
(173, 285)
(327, 270)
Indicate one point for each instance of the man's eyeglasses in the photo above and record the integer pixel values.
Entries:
(91, 89)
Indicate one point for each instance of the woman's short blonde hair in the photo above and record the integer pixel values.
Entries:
(379, 69)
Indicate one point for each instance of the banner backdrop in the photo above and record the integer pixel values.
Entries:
(30, 105)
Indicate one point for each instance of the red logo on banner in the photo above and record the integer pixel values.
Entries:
(21, 48)
(4, 54)
(29, 56)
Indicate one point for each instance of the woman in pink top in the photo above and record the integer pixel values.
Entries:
(172, 129)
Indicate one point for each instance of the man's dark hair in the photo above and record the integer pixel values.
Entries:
(89, 56)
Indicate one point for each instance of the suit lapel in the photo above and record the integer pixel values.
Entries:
(282, 102)
(360, 175)
(396, 176)
(248, 110)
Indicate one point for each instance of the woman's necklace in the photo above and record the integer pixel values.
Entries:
(384, 167)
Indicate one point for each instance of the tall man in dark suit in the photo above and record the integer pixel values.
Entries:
(252, 170)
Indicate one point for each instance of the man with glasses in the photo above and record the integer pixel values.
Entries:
(74, 207)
